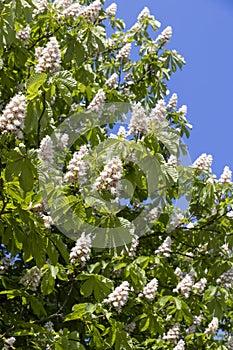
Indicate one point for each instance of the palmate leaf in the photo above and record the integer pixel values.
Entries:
(65, 78)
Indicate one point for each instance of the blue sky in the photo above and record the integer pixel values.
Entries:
(203, 34)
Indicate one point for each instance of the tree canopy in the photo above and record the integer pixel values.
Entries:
(108, 239)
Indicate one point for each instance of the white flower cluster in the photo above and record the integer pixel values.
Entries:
(110, 177)
(24, 34)
(12, 118)
(133, 248)
(62, 140)
(173, 334)
(180, 345)
(139, 122)
(48, 221)
(122, 133)
(32, 278)
(49, 326)
(183, 110)
(165, 248)
(9, 343)
(5, 264)
(165, 36)
(119, 296)
(91, 12)
(172, 103)
(172, 160)
(229, 343)
(82, 249)
(196, 322)
(159, 112)
(50, 57)
(96, 104)
(112, 81)
(111, 9)
(77, 166)
(212, 327)
(184, 286)
(226, 279)
(145, 13)
(153, 214)
(178, 272)
(200, 285)
(124, 52)
(149, 290)
(225, 178)
(130, 327)
(203, 162)
(41, 7)
(46, 151)
(74, 10)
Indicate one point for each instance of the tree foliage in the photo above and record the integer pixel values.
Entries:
(163, 281)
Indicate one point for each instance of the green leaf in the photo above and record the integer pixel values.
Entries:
(34, 83)
(47, 283)
(80, 311)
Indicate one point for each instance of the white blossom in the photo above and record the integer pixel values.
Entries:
(32, 278)
(82, 249)
(229, 343)
(38, 52)
(119, 296)
(183, 109)
(184, 286)
(111, 9)
(203, 162)
(159, 113)
(153, 214)
(50, 57)
(212, 327)
(46, 150)
(12, 118)
(74, 10)
(129, 328)
(176, 220)
(63, 140)
(230, 214)
(112, 81)
(180, 345)
(109, 179)
(24, 34)
(133, 248)
(124, 52)
(172, 160)
(41, 7)
(49, 326)
(91, 12)
(150, 289)
(225, 178)
(200, 285)
(77, 167)
(173, 334)
(97, 103)
(172, 103)
(9, 343)
(178, 272)
(165, 36)
(145, 13)
(226, 279)
(5, 264)
(48, 221)
(139, 122)
(165, 248)
(122, 133)
(196, 322)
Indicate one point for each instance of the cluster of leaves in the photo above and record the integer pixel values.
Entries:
(71, 296)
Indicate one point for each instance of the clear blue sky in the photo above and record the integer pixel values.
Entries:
(203, 34)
